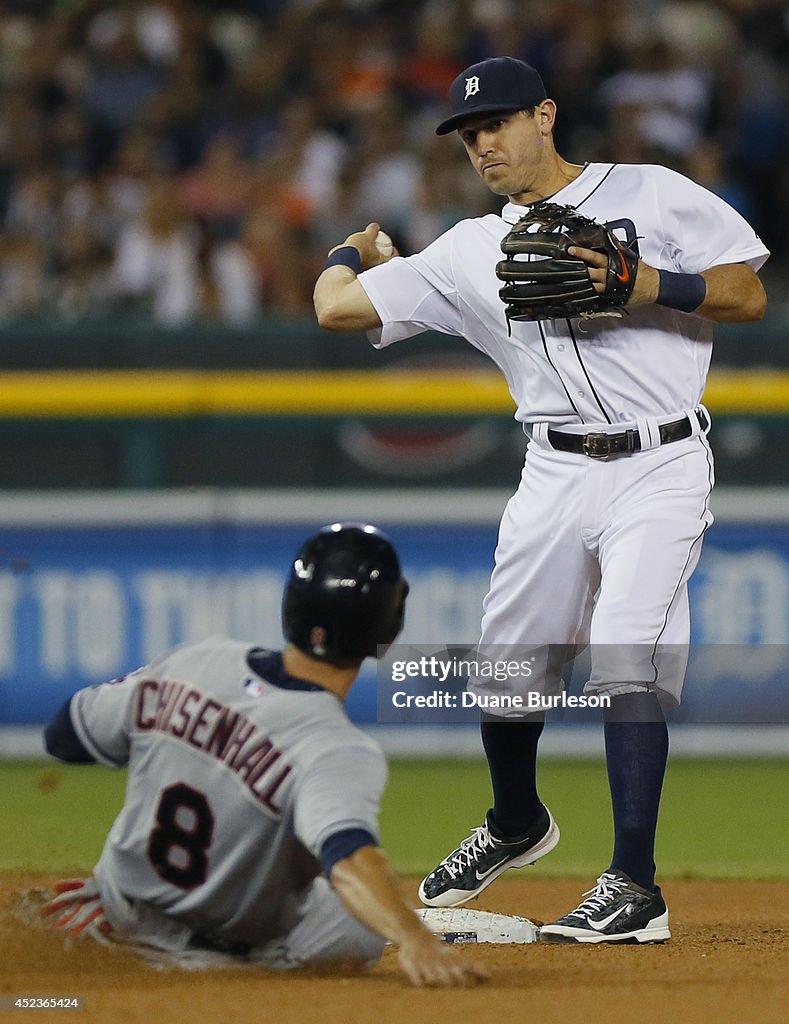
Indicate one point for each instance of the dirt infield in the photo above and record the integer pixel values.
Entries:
(728, 961)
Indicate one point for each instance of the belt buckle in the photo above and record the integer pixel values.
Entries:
(597, 445)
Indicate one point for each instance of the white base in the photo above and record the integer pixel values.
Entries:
(459, 925)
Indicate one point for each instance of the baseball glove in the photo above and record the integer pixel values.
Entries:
(543, 283)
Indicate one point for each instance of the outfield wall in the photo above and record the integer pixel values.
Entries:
(92, 585)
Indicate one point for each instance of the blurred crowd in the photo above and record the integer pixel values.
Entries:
(191, 159)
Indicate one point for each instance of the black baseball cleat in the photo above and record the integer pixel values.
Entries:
(616, 910)
(482, 857)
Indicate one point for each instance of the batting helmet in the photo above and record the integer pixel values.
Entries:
(345, 594)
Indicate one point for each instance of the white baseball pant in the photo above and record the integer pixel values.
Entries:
(600, 551)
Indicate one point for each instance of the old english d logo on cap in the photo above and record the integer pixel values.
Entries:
(472, 87)
(496, 84)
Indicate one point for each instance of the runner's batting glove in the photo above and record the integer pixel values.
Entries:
(76, 909)
(543, 282)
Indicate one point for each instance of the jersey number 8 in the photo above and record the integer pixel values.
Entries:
(178, 845)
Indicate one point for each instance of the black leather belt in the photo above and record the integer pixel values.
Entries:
(599, 445)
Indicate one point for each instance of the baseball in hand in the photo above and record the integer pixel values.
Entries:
(383, 243)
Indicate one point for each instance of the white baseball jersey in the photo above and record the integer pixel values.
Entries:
(590, 550)
(234, 785)
(651, 362)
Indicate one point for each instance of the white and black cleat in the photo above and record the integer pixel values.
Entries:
(481, 858)
(616, 910)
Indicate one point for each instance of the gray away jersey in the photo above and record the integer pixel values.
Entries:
(234, 785)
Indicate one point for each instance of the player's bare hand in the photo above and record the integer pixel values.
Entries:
(425, 961)
(364, 241)
(647, 279)
(596, 265)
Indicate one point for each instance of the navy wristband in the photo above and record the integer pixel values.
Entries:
(341, 845)
(346, 256)
(684, 292)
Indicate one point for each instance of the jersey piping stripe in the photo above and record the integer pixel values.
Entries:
(692, 545)
(561, 379)
(597, 186)
(586, 374)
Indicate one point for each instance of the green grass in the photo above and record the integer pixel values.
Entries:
(719, 818)
(56, 816)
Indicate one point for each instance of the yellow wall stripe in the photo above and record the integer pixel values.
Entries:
(186, 393)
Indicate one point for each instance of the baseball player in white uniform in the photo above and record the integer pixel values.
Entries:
(249, 828)
(599, 541)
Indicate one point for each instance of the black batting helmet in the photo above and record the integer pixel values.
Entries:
(345, 594)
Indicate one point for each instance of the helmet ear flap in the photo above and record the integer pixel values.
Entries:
(345, 594)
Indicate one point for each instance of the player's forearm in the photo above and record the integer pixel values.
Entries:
(341, 304)
(734, 294)
(368, 886)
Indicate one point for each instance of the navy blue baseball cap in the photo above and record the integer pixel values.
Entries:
(499, 83)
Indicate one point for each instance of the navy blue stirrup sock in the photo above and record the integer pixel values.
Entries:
(511, 750)
(636, 751)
